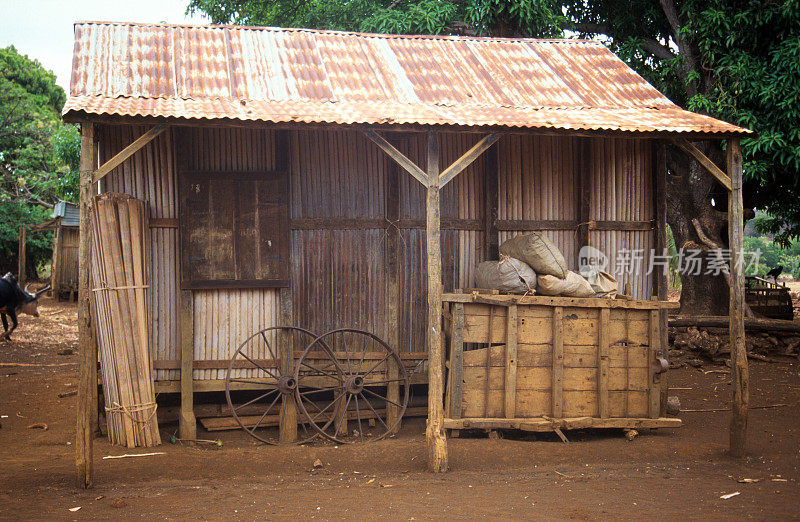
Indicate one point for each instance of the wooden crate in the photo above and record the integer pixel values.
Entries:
(537, 363)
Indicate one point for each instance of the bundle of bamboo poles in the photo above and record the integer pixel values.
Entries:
(119, 281)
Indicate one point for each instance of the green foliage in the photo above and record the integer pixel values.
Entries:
(772, 254)
(425, 17)
(753, 50)
(39, 155)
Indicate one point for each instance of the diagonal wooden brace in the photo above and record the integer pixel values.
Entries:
(701, 158)
(127, 152)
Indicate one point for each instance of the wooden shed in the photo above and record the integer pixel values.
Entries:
(328, 179)
(64, 264)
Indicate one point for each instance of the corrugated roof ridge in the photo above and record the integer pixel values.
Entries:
(469, 104)
(565, 41)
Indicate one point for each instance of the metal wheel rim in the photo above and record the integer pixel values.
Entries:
(402, 378)
(279, 374)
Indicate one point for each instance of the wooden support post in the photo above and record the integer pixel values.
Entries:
(435, 435)
(724, 179)
(604, 347)
(392, 204)
(288, 413)
(55, 263)
(510, 392)
(86, 347)
(654, 347)
(21, 264)
(288, 418)
(187, 424)
(558, 362)
(661, 279)
(491, 239)
(739, 371)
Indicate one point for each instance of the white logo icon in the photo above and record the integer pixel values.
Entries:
(591, 261)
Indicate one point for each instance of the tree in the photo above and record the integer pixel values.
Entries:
(38, 155)
(738, 60)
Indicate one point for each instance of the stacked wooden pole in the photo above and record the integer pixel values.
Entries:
(120, 306)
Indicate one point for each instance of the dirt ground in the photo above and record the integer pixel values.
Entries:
(665, 473)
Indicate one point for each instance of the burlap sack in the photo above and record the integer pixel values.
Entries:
(574, 285)
(538, 252)
(603, 284)
(506, 275)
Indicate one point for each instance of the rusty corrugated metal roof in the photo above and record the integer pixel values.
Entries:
(301, 75)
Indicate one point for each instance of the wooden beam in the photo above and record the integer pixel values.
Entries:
(709, 165)
(88, 351)
(127, 152)
(557, 386)
(467, 158)
(398, 156)
(23, 238)
(573, 423)
(392, 260)
(491, 238)
(739, 372)
(434, 434)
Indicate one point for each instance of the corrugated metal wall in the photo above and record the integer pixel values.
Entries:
(339, 267)
(150, 175)
(223, 319)
(622, 190)
(538, 176)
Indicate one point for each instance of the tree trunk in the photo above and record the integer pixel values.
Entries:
(691, 191)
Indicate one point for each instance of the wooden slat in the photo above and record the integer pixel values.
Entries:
(576, 302)
(567, 423)
(558, 361)
(511, 362)
(739, 372)
(456, 378)
(466, 160)
(399, 157)
(379, 223)
(654, 391)
(127, 152)
(603, 362)
(163, 223)
(701, 158)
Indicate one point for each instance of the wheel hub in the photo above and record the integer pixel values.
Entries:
(354, 384)
(287, 384)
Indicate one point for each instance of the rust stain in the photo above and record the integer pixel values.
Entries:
(309, 76)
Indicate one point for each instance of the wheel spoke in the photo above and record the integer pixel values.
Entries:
(326, 407)
(375, 383)
(274, 355)
(347, 355)
(343, 417)
(248, 403)
(375, 413)
(382, 397)
(265, 413)
(248, 381)
(379, 363)
(333, 376)
(257, 365)
(363, 354)
(320, 390)
(358, 416)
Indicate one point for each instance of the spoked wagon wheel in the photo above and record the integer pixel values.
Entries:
(342, 386)
(255, 386)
